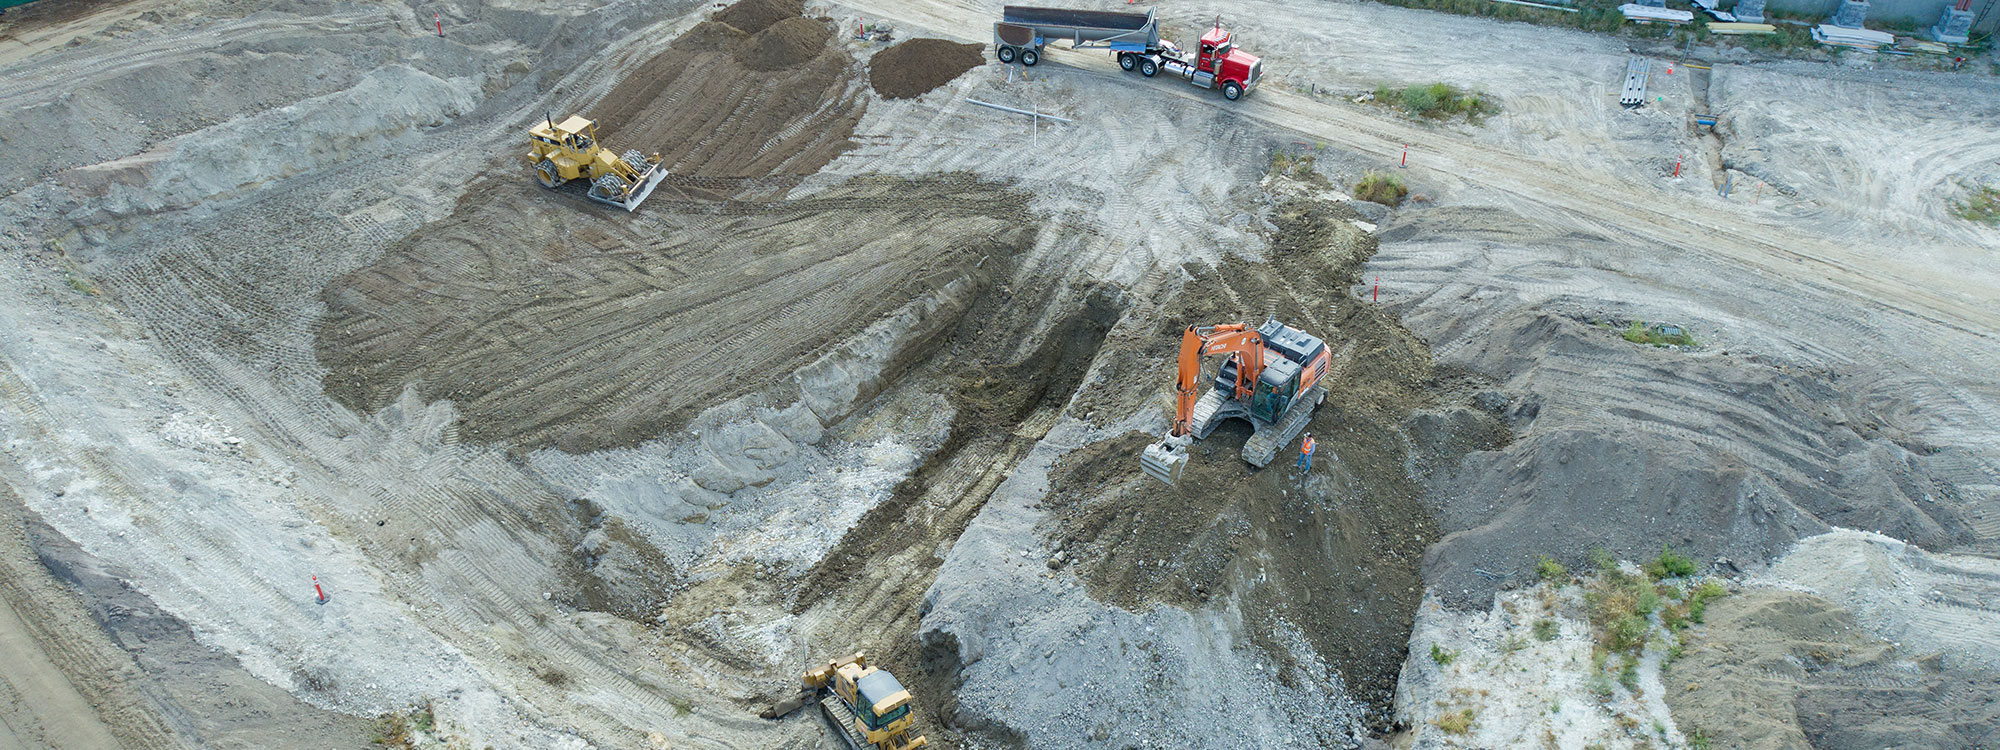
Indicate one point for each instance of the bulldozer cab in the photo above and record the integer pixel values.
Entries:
(880, 691)
(575, 134)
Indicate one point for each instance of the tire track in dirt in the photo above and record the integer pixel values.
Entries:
(623, 343)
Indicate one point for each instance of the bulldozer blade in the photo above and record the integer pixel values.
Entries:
(1161, 461)
(785, 707)
(645, 189)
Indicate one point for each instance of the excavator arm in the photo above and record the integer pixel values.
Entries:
(1197, 342)
(1164, 460)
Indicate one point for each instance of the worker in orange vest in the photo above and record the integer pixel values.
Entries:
(1306, 453)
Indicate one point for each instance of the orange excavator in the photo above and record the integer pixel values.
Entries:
(1270, 380)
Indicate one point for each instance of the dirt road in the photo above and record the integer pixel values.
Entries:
(1937, 294)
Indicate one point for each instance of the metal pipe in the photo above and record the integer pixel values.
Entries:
(1030, 113)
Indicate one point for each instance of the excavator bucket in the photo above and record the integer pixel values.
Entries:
(1163, 461)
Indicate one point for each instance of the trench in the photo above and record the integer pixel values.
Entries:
(874, 580)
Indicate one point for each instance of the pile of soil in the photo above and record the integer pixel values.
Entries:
(913, 68)
(779, 102)
(752, 16)
(788, 43)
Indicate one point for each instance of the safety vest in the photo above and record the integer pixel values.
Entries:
(1307, 446)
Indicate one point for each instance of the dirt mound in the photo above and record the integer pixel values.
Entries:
(752, 16)
(913, 68)
(719, 103)
(791, 42)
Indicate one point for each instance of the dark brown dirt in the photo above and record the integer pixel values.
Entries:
(722, 102)
(552, 322)
(752, 16)
(47, 13)
(1336, 555)
(913, 68)
(788, 43)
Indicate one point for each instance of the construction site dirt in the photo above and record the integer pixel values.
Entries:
(322, 424)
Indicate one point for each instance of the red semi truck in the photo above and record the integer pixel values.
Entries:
(1134, 40)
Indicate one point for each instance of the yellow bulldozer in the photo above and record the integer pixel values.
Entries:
(562, 152)
(866, 706)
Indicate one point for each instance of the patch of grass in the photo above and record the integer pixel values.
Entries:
(1550, 570)
(1437, 101)
(1456, 722)
(1628, 675)
(1601, 685)
(1698, 740)
(1547, 630)
(1602, 559)
(1698, 600)
(77, 283)
(1674, 617)
(1982, 205)
(1443, 657)
(1296, 166)
(1669, 564)
(1379, 187)
(402, 730)
(1658, 334)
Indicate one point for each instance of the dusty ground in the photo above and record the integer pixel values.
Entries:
(867, 365)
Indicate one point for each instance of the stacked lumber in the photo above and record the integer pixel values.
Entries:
(1742, 28)
(1647, 14)
(1862, 39)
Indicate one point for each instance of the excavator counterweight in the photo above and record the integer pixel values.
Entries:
(1270, 379)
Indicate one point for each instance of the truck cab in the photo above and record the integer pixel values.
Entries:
(1233, 69)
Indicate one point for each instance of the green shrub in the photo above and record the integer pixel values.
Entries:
(1647, 601)
(1629, 675)
(1657, 335)
(1602, 559)
(1550, 570)
(1669, 565)
(1982, 205)
(1442, 657)
(1628, 634)
(1547, 630)
(1698, 740)
(1379, 187)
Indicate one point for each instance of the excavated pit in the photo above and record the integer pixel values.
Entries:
(1335, 553)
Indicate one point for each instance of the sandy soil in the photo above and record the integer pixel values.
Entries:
(866, 366)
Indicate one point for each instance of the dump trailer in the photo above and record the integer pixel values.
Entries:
(560, 152)
(1133, 39)
(866, 707)
(1271, 380)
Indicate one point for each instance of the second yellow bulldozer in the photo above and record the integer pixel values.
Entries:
(567, 151)
(867, 706)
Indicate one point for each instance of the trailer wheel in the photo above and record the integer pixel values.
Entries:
(1005, 53)
(1231, 91)
(1147, 67)
(1128, 61)
(1029, 57)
